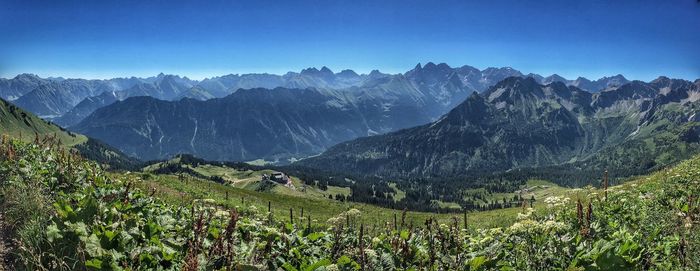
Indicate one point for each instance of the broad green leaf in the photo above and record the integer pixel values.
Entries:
(94, 264)
(53, 233)
(477, 262)
(318, 264)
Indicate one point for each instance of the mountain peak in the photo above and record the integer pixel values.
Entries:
(554, 78)
(347, 73)
(376, 74)
(661, 79)
(535, 76)
(325, 70)
(27, 75)
(516, 80)
(311, 70)
(429, 65)
(620, 76)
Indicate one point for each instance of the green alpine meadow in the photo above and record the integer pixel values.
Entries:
(63, 212)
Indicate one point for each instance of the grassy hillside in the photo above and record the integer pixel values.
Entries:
(67, 214)
(244, 187)
(23, 125)
(16, 122)
(250, 179)
(183, 191)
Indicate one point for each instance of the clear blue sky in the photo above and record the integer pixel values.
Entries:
(102, 39)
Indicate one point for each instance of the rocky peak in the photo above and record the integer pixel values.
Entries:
(309, 71)
(553, 78)
(347, 73)
(325, 71)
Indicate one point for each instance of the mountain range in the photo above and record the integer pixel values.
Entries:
(282, 118)
(520, 123)
(55, 98)
(292, 122)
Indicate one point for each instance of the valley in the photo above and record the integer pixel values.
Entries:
(245, 187)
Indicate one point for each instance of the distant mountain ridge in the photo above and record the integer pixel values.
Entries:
(54, 98)
(382, 103)
(247, 125)
(374, 103)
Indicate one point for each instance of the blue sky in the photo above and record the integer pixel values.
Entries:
(104, 39)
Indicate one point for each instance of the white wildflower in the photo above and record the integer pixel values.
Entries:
(252, 209)
(370, 253)
(526, 215)
(353, 212)
(221, 213)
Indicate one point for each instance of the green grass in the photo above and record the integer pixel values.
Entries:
(173, 190)
(400, 194)
(73, 216)
(22, 125)
(245, 188)
(443, 204)
(251, 180)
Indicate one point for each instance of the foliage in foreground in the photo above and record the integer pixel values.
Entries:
(67, 214)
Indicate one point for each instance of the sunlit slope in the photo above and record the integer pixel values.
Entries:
(16, 122)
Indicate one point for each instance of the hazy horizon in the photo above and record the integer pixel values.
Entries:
(215, 74)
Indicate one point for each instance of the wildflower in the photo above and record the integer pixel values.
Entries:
(336, 221)
(221, 213)
(553, 225)
(371, 254)
(525, 215)
(620, 191)
(555, 201)
(353, 212)
(252, 209)
(523, 225)
(272, 231)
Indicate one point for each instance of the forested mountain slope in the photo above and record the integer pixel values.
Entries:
(521, 124)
